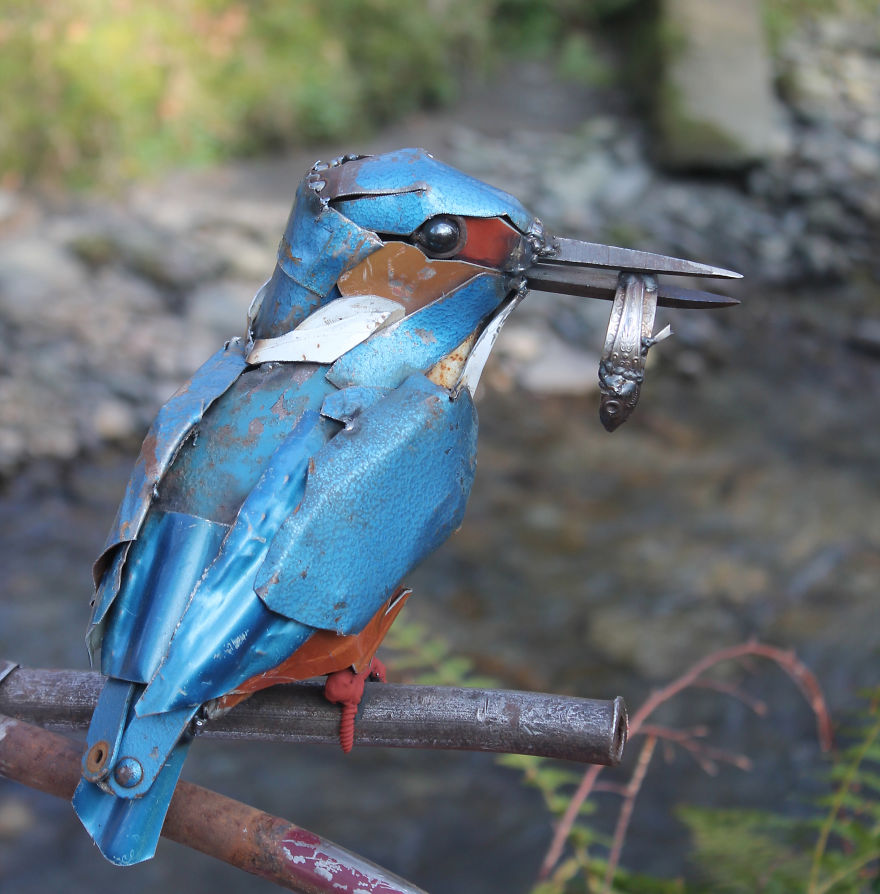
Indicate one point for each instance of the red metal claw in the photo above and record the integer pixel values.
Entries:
(346, 688)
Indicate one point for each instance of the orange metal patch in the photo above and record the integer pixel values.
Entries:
(325, 652)
(490, 241)
(401, 272)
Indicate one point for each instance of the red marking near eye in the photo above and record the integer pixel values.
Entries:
(490, 241)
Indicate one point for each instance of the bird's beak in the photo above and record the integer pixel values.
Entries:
(590, 270)
(629, 279)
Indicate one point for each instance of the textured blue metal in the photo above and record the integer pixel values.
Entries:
(127, 829)
(344, 405)
(418, 341)
(227, 634)
(149, 741)
(274, 499)
(107, 726)
(384, 493)
(318, 245)
(397, 192)
(172, 424)
(238, 437)
(135, 644)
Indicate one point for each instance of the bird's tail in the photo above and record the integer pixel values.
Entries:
(127, 830)
(130, 770)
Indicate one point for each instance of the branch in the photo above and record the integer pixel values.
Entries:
(249, 839)
(626, 810)
(497, 720)
(705, 755)
(788, 661)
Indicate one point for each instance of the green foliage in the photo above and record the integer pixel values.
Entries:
(838, 853)
(418, 656)
(536, 27)
(109, 89)
(833, 849)
(781, 17)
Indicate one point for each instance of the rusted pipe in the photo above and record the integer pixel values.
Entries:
(228, 830)
(391, 715)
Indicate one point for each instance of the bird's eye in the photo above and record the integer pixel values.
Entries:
(441, 236)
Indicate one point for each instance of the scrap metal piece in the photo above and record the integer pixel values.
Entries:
(589, 282)
(627, 341)
(592, 254)
(392, 715)
(256, 842)
(279, 497)
(6, 668)
(331, 331)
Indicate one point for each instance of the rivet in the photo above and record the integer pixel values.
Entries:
(128, 772)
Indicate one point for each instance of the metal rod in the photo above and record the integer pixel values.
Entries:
(589, 283)
(228, 830)
(391, 715)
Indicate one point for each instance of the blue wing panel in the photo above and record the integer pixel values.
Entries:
(227, 634)
(213, 475)
(163, 566)
(169, 430)
(418, 341)
(382, 495)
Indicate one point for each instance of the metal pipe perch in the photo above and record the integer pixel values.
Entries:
(228, 830)
(391, 715)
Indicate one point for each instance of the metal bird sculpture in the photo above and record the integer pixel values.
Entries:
(282, 495)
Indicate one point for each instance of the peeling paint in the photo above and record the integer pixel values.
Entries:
(6, 723)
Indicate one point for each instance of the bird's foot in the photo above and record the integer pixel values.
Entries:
(346, 688)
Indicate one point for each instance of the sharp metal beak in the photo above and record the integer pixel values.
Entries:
(588, 269)
(628, 278)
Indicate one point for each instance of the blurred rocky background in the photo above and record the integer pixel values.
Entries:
(149, 156)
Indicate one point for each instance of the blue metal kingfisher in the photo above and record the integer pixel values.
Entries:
(283, 493)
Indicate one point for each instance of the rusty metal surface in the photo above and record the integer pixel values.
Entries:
(400, 272)
(227, 830)
(392, 715)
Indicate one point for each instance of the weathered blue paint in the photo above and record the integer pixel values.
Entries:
(172, 424)
(399, 191)
(108, 722)
(150, 741)
(384, 493)
(126, 829)
(274, 499)
(344, 405)
(227, 634)
(318, 245)
(134, 646)
(238, 437)
(418, 341)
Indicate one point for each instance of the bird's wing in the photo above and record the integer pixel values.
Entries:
(380, 496)
(169, 430)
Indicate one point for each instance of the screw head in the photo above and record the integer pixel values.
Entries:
(128, 772)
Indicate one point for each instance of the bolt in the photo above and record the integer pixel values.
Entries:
(128, 772)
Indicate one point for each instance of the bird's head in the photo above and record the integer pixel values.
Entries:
(405, 259)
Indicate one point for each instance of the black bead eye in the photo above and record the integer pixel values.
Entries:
(441, 236)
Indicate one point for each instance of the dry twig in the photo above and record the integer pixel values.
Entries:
(705, 755)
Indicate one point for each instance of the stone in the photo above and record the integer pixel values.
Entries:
(716, 106)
